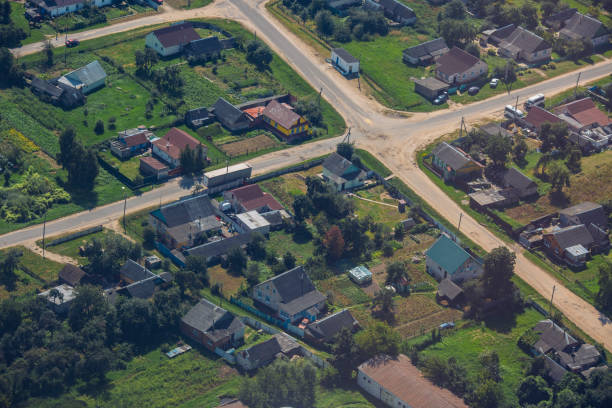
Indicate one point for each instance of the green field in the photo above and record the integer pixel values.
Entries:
(71, 248)
(372, 163)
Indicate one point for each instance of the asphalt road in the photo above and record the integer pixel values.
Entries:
(393, 137)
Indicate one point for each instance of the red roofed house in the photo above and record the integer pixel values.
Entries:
(171, 40)
(251, 198)
(584, 112)
(537, 116)
(459, 67)
(398, 383)
(131, 142)
(169, 147)
(282, 120)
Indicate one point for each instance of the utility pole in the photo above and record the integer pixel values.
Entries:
(44, 230)
(516, 110)
(124, 208)
(319, 97)
(460, 217)
(576, 88)
(551, 301)
(462, 127)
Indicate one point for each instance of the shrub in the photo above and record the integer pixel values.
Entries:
(99, 128)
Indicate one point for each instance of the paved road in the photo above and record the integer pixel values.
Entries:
(392, 136)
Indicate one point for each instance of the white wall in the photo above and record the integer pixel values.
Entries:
(151, 41)
(347, 67)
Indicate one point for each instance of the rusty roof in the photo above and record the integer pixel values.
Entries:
(585, 112)
(281, 114)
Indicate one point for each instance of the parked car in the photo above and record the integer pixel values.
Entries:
(494, 82)
(473, 90)
(440, 99)
(72, 43)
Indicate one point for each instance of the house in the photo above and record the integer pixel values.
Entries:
(492, 197)
(360, 275)
(342, 173)
(253, 221)
(571, 244)
(171, 40)
(582, 359)
(446, 259)
(86, 79)
(450, 292)
(344, 62)
(71, 275)
(429, 87)
(520, 185)
(132, 271)
(284, 122)
(454, 164)
(326, 329)
(398, 12)
(170, 147)
(54, 8)
(187, 222)
(199, 117)
(586, 213)
(520, 44)
(585, 28)
(57, 93)
(592, 140)
(585, 112)
(459, 67)
(495, 129)
(131, 142)
(204, 48)
(230, 116)
(554, 370)
(558, 19)
(152, 167)
(251, 198)
(537, 116)
(399, 384)
(145, 288)
(292, 295)
(213, 251)
(212, 326)
(552, 338)
(425, 53)
(262, 354)
(226, 178)
(59, 298)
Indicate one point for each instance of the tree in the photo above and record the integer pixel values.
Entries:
(457, 32)
(455, 10)
(487, 395)
(345, 150)
(498, 271)
(88, 304)
(325, 23)
(548, 8)
(472, 48)
(310, 108)
(519, 151)
(507, 74)
(345, 353)
(333, 242)
(187, 160)
(252, 274)
(395, 272)
(256, 249)
(530, 15)
(384, 302)
(12, 74)
(490, 366)
(559, 176)
(603, 299)
(302, 207)
(237, 261)
(99, 128)
(258, 54)
(289, 260)
(136, 320)
(148, 237)
(197, 265)
(573, 161)
(532, 390)
(67, 141)
(498, 148)
(377, 338)
(81, 163)
(8, 266)
(145, 61)
(49, 54)
(399, 232)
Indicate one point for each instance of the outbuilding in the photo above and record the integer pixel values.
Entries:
(345, 62)
(430, 88)
(360, 275)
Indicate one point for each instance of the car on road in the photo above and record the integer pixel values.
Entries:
(473, 90)
(72, 43)
(494, 82)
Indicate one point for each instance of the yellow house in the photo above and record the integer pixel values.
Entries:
(282, 120)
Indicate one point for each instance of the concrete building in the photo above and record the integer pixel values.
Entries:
(227, 177)
(252, 221)
(59, 298)
(345, 62)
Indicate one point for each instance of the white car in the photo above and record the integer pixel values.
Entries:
(494, 82)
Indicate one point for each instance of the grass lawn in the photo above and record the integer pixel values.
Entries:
(372, 163)
(280, 242)
(188, 4)
(71, 248)
(384, 210)
(341, 398)
(231, 284)
(345, 292)
(288, 186)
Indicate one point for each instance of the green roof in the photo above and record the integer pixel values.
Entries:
(446, 253)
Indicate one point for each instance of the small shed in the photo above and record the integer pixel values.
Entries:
(345, 62)
(430, 88)
(360, 275)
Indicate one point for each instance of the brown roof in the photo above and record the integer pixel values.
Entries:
(538, 116)
(254, 112)
(251, 197)
(585, 112)
(406, 382)
(153, 163)
(175, 141)
(281, 114)
(176, 34)
(456, 61)
(71, 274)
(136, 139)
(232, 404)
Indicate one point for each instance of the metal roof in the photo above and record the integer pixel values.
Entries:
(447, 254)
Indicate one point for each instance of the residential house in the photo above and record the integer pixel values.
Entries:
(553, 338)
(429, 87)
(213, 251)
(171, 40)
(170, 147)
(585, 113)
(344, 62)
(360, 275)
(260, 355)
(585, 28)
(54, 8)
(558, 19)
(225, 178)
(142, 289)
(585, 357)
(251, 198)
(326, 329)
(252, 221)
(186, 223)
(446, 259)
(86, 79)
(204, 48)
(397, 11)
(425, 53)
(131, 142)
(71, 275)
(57, 93)
(281, 119)
(586, 213)
(132, 272)
(292, 295)
(399, 384)
(519, 184)
(199, 117)
(521, 44)
(554, 370)
(454, 164)
(571, 244)
(212, 326)
(59, 298)
(459, 67)
(449, 292)
(342, 173)
(152, 167)
(537, 116)
(230, 116)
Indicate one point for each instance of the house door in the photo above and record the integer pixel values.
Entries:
(350, 69)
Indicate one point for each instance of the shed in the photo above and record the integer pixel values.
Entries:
(252, 221)
(71, 275)
(360, 274)
(449, 291)
(430, 88)
(344, 62)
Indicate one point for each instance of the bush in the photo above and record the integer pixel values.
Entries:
(99, 128)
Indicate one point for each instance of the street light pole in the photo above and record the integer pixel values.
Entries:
(124, 208)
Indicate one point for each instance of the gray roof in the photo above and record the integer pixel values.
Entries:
(456, 61)
(524, 40)
(211, 319)
(494, 129)
(587, 355)
(573, 235)
(208, 45)
(516, 179)
(143, 289)
(553, 369)
(185, 211)
(449, 289)
(451, 155)
(432, 84)
(587, 213)
(217, 248)
(327, 328)
(71, 274)
(344, 54)
(552, 337)
(560, 16)
(46, 87)
(397, 9)
(268, 350)
(135, 271)
(430, 48)
(579, 26)
(87, 75)
(226, 112)
(338, 165)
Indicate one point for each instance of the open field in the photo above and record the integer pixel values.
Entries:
(230, 283)
(246, 146)
(382, 208)
(286, 187)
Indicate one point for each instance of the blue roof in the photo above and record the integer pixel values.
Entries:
(446, 253)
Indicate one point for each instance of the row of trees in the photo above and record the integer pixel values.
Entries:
(10, 35)
(80, 162)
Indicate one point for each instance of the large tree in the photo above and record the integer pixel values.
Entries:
(603, 300)
(498, 148)
(345, 352)
(498, 271)
(558, 175)
(333, 242)
(378, 338)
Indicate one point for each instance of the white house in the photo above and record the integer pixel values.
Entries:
(345, 62)
(342, 173)
(171, 40)
(446, 259)
(87, 79)
(56, 8)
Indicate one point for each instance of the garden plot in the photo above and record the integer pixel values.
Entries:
(248, 146)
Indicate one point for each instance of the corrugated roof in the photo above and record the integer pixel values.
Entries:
(327, 328)
(176, 34)
(587, 213)
(451, 156)
(71, 274)
(225, 111)
(456, 61)
(134, 271)
(221, 247)
(516, 179)
(431, 48)
(449, 289)
(281, 114)
(345, 55)
(175, 141)
(573, 235)
(524, 40)
(447, 254)
(211, 319)
(185, 211)
(208, 45)
(585, 112)
(579, 26)
(537, 116)
(85, 76)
